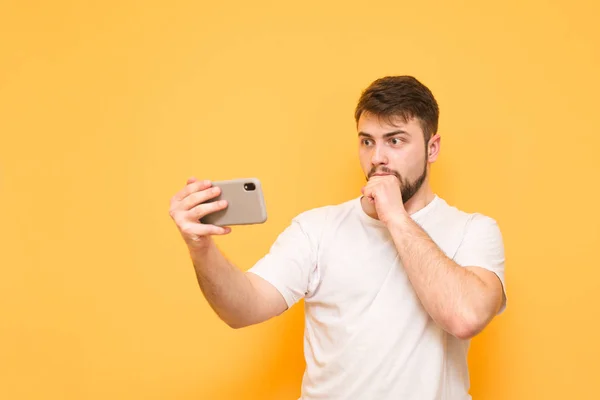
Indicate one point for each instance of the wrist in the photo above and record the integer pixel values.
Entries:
(201, 249)
(399, 222)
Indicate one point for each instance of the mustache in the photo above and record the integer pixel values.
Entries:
(383, 170)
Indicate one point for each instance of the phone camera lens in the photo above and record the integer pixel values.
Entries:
(249, 186)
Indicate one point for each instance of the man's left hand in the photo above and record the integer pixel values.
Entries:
(384, 192)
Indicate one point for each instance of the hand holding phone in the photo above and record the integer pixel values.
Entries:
(188, 206)
(245, 203)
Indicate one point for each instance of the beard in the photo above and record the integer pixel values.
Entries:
(407, 188)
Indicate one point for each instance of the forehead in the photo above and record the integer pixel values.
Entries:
(378, 126)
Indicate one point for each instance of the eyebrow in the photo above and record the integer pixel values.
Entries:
(387, 135)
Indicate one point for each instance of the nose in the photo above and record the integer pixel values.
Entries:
(378, 156)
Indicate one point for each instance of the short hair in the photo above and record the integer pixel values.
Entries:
(400, 97)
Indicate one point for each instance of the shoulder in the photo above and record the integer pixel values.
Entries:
(473, 223)
(320, 216)
(311, 224)
(483, 228)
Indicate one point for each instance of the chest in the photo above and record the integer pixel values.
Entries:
(358, 264)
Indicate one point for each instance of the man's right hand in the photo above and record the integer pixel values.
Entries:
(239, 298)
(186, 209)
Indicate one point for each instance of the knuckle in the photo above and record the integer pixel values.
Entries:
(187, 228)
(201, 185)
(200, 211)
(179, 221)
(196, 199)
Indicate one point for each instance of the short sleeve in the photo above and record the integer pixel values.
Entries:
(289, 263)
(482, 246)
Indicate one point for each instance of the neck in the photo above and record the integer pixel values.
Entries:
(420, 199)
(423, 197)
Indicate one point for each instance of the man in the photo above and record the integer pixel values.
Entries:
(395, 281)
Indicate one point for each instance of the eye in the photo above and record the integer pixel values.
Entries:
(396, 141)
(366, 142)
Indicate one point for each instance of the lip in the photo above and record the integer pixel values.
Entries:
(381, 174)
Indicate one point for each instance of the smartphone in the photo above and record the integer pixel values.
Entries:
(245, 203)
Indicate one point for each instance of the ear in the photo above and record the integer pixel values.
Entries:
(433, 148)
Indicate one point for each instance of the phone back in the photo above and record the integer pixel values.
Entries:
(246, 204)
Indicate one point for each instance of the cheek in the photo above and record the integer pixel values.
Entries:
(364, 157)
(408, 162)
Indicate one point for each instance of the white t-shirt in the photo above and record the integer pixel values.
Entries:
(367, 336)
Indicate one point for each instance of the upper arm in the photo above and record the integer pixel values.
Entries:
(482, 252)
(494, 294)
(283, 276)
(270, 301)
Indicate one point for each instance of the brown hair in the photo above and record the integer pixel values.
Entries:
(400, 96)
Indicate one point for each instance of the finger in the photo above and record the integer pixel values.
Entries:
(369, 189)
(218, 230)
(192, 187)
(204, 209)
(366, 191)
(191, 179)
(200, 197)
(224, 229)
(197, 229)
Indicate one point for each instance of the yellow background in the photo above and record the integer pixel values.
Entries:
(106, 109)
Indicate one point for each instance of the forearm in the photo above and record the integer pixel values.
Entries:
(226, 288)
(452, 295)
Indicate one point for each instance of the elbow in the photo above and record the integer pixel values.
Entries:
(464, 331)
(239, 323)
(236, 324)
(467, 325)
